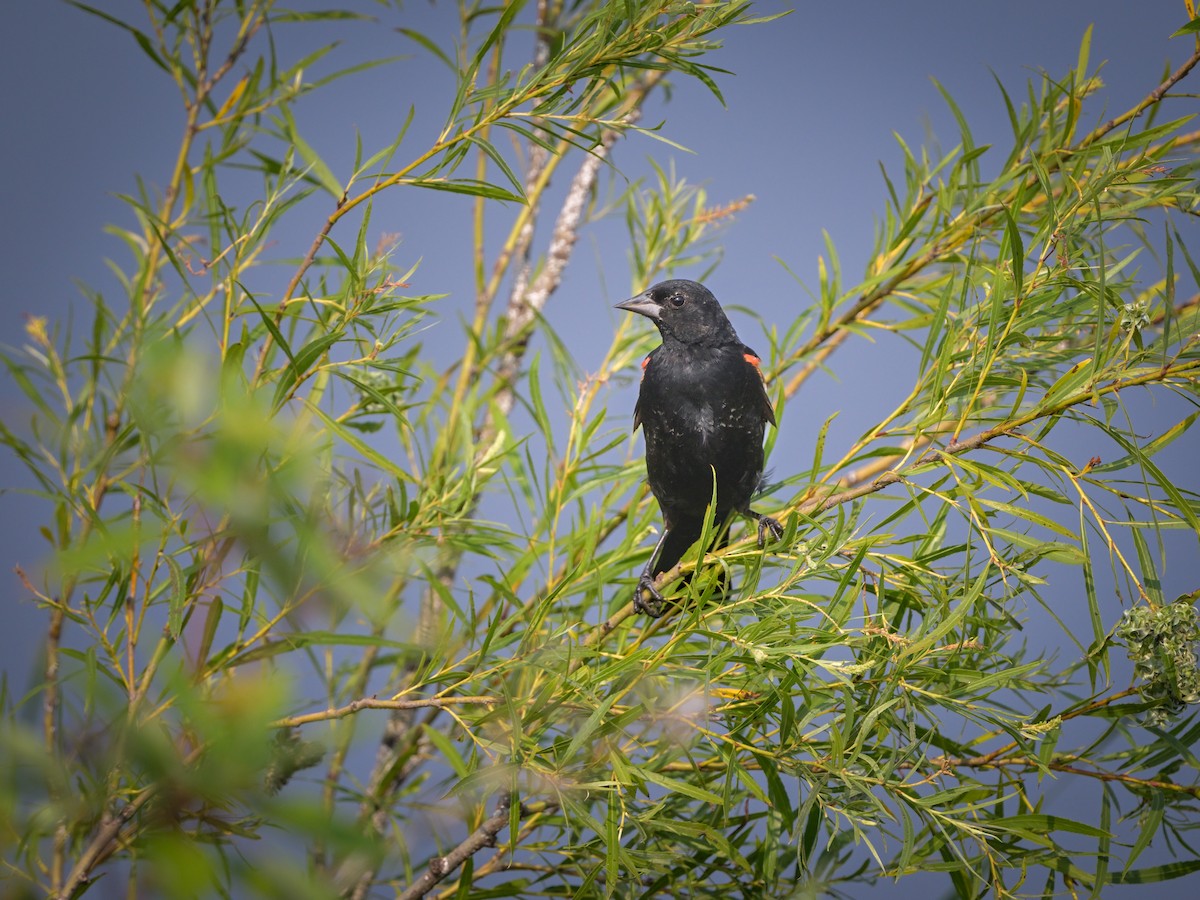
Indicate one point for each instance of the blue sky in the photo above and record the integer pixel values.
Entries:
(811, 112)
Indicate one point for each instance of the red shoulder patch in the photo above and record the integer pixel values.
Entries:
(645, 362)
(751, 358)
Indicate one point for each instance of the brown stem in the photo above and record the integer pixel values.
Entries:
(1155, 96)
(108, 837)
(1025, 762)
(49, 728)
(524, 308)
(481, 837)
(349, 709)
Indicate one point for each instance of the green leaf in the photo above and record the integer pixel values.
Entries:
(1192, 27)
(430, 46)
(1041, 825)
(1149, 822)
(469, 186)
(447, 751)
(177, 599)
(321, 174)
(677, 785)
(1148, 450)
(143, 41)
(1151, 874)
(1016, 250)
(494, 155)
(297, 369)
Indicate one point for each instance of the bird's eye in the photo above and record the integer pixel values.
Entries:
(677, 300)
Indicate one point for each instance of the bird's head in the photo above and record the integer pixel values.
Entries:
(684, 311)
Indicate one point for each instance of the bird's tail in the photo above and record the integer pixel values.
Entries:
(681, 536)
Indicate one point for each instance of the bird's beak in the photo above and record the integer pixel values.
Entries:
(643, 305)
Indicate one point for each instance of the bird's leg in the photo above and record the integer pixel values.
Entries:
(765, 522)
(657, 605)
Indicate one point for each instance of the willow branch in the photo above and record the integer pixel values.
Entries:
(1025, 762)
(817, 505)
(1155, 96)
(481, 837)
(109, 836)
(340, 712)
(835, 333)
(526, 306)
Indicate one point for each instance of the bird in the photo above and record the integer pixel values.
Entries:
(703, 409)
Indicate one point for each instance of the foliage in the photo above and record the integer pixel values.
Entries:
(272, 514)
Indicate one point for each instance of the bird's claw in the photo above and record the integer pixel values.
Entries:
(765, 522)
(657, 605)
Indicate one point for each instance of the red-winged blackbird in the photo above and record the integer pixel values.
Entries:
(703, 408)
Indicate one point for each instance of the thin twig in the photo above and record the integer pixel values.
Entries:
(1155, 96)
(1025, 762)
(108, 837)
(49, 728)
(525, 307)
(1086, 709)
(483, 836)
(350, 709)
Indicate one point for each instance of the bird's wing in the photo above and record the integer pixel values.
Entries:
(637, 409)
(764, 401)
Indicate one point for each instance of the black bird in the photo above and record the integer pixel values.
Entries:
(703, 408)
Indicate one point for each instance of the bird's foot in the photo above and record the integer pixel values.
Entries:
(765, 522)
(657, 605)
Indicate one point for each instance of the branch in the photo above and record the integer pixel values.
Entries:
(539, 156)
(871, 300)
(349, 709)
(825, 341)
(49, 718)
(1155, 96)
(1061, 765)
(1012, 745)
(108, 837)
(817, 505)
(483, 836)
(524, 307)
